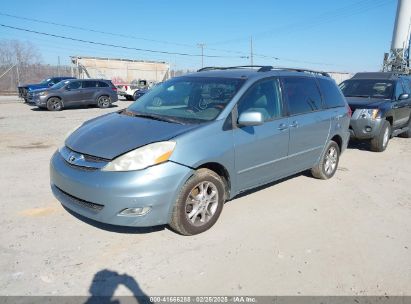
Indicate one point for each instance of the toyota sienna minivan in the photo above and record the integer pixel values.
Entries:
(193, 142)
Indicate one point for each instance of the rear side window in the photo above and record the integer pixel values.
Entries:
(89, 84)
(102, 84)
(332, 96)
(302, 95)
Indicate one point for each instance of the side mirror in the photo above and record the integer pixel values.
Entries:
(51, 84)
(403, 96)
(251, 119)
(68, 88)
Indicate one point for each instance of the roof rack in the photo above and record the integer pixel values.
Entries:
(265, 68)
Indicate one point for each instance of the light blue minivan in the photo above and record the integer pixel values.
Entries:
(193, 142)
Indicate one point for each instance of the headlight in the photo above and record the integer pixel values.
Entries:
(370, 113)
(143, 157)
(43, 93)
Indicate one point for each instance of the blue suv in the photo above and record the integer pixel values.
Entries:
(193, 142)
(25, 91)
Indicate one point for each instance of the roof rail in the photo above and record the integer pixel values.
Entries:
(265, 68)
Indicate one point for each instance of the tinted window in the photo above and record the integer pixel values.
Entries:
(332, 95)
(398, 89)
(263, 97)
(102, 84)
(74, 85)
(302, 95)
(89, 84)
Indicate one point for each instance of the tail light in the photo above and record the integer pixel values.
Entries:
(349, 111)
(114, 89)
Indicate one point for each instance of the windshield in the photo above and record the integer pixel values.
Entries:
(188, 99)
(60, 84)
(45, 81)
(375, 88)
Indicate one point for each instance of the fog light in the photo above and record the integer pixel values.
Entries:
(368, 129)
(135, 211)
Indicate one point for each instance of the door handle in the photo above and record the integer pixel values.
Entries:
(294, 124)
(282, 127)
(339, 116)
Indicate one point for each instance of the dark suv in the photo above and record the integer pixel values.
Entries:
(76, 92)
(381, 105)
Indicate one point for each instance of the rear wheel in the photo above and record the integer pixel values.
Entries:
(199, 203)
(380, 142)
(129, 98)
(328, 164)
(103, 102)
(54, 104)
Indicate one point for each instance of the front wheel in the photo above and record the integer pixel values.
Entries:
(54, 104)
(380, 142)
(103, 102)
(199, 203)
(328, 164)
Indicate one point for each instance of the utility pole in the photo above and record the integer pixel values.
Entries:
(251, 51)
(58, 65)
(202, 46)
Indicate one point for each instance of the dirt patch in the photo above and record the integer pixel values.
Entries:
(36, 145)
(38, 212)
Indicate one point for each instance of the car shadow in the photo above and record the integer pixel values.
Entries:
(363, 145)
(306, 173)
(104, 284)
(37, 109)
(114, 228)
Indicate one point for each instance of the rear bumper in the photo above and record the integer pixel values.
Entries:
(101, 196)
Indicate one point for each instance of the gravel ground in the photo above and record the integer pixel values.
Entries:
(347, 236)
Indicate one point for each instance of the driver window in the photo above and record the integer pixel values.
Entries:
(263, 97)
(398, 90)
(74, 85)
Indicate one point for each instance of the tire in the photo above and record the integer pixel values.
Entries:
(129, 98)
(328, 164)
(407, 134)
(188, 214)
(54, 104)
(104, 102)
(380, 142)
(135, 97)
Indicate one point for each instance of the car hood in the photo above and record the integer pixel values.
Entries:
(36, 86)
(40, 90)
(365, 103)
(114, 134)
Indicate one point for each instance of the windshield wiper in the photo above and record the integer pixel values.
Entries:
(365, 96)
(152, 116)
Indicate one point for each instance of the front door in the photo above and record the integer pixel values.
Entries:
(261, 151)
(402, 108)
(73, 93)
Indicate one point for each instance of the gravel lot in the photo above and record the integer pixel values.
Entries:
(347, 236)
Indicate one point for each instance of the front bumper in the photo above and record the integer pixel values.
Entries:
(364, 128)
(101, 196)
(40, 101)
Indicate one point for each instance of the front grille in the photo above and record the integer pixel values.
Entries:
(81, 167)
(82, 203)
(95, 159)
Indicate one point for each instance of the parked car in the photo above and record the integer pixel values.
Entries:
(25, 90)
(381, 105)
(234, 129)
(134, 90)
(76, 92)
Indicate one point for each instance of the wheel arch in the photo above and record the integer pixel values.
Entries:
(221, 171)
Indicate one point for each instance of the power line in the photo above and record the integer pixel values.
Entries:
(326, 17)
(115, 45)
